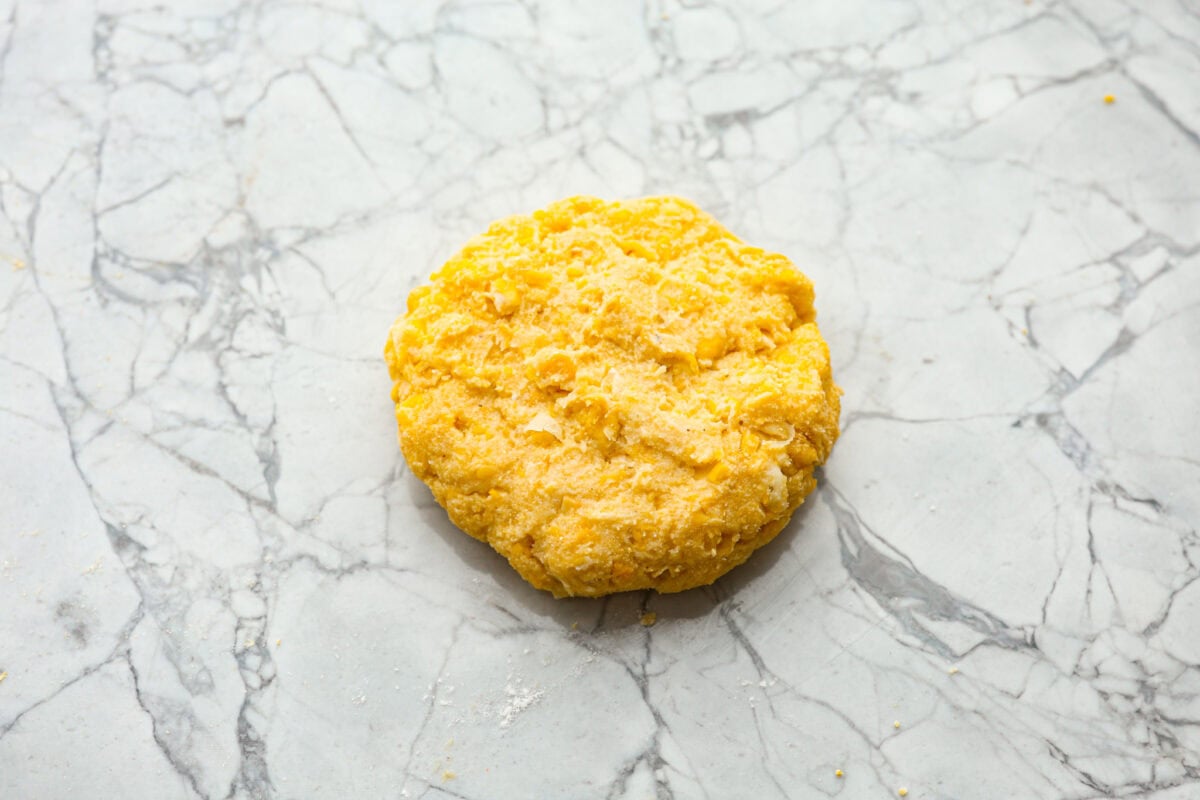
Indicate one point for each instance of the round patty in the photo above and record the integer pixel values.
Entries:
(615, 396)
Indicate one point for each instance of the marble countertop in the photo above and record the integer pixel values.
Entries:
(218, 579)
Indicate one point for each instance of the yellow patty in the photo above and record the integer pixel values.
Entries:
(615, 396)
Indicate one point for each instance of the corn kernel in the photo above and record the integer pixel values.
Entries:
(526, 234)
(416, 296)
(711, 347)
(414, 402)
(544, 438)
(537, 277)
(635, 248)
(688, 360)
(719, 472)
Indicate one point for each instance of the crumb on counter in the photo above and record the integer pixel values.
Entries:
(902, 792)
(3, 675)
(896, 724)
(837, 773)
(649, 618)
(1109, 99)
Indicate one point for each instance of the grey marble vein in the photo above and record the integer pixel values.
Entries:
(219, 580)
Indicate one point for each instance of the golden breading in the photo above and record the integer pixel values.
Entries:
(615, 396)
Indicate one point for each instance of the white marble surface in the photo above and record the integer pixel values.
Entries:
(217, 579)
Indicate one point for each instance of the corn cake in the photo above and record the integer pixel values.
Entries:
(615, 395)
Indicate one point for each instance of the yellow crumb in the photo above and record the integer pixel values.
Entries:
(249, 643)
(574, 626)
(278, 642)
(3, 675)
(448, 775)
(649, 618)
(953, 670)
(17, 264)
(902, 792)
(1109, 99)
(837, 773)
(896, 724)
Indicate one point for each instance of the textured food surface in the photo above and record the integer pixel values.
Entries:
(615, 396)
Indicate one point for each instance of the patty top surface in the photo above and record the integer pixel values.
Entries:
(615, 395)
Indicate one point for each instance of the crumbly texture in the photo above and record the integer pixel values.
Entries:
(615, 396)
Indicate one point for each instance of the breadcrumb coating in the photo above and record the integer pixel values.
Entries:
(615, 395)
